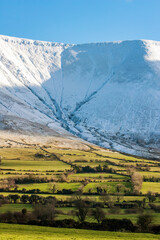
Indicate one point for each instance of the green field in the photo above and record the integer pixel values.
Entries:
(15, 207)
(97, 176)
(151, 174)
(34, 165)
(151, 186)
(109, 186)
(19, 232)
(46, 186)
(50, 167)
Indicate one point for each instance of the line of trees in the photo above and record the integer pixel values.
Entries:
(45, 212)
(88, 169)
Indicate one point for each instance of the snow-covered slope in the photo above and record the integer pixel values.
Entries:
(107, 93)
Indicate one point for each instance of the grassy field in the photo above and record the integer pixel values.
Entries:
(109, 186)
(51, 164)
(151, 186)
(15, 207)
(46, 186)
(19, 232)
(34, 165)
(97, 176)
(151, 174)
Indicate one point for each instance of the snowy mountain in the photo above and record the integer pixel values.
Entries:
(106, 93)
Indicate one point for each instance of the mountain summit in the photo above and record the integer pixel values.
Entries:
(106, 93)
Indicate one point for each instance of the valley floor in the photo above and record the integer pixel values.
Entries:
(31, 176)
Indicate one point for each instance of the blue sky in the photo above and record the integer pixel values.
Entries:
(80, 21)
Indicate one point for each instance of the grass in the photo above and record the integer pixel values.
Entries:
(46, 186)
(150, 174)
(110, 186)
(28, 154)
(18, 232)
(15, 207)
(120, 156)
(66, 210)
(133, 217)
(23, 162)
(67, 213)
(97, 175)
(36, 165)
(151, 186)
(91, 164)
(155, 169)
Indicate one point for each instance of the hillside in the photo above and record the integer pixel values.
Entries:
(106, 93)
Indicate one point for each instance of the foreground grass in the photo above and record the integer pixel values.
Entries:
(18, 232)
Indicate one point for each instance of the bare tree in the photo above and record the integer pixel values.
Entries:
(82, 208)
(136, 180)
(98, 214)
(119, 189)
(7, 183)
(63, 177)
(151, 196)
(52, 187)
(45, 211)
(144, 222)
(107, 199)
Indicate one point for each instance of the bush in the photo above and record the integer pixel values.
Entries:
(45, 211)
(66, 223)
(117, 225)
(155, 229)
(114, 210)
(98, 214)
(134, 210)
(155, 207)
(82, 209)
(39, 155)
(144, 222)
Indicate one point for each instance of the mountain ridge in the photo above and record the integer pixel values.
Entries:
(106, 93)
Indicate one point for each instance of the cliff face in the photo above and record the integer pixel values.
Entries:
(106, 93)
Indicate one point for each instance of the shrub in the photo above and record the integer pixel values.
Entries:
(39, 155)
(45, 211)
(82, 209)
(155, 207)
(134, 210)
(98, 214)
(144, 222)
(114, 210)
(117, 225)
